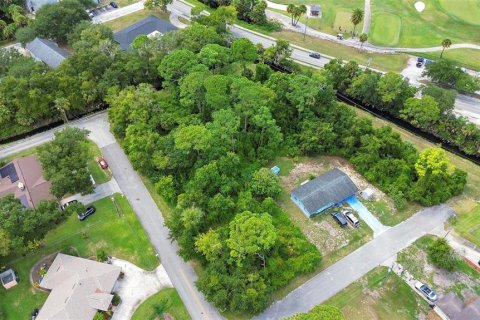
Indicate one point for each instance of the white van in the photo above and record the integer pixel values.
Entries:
(352, 219)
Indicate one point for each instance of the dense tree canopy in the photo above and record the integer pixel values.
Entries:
(64, 162)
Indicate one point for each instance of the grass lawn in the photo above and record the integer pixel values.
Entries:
(466, 205)
(120, 236)
(379, 295)
(175, 306)
(386, 29)
(125, 21)
(468, 58)
(457, 20)
(386, 215)
(99, 175)
(335, 15)
(390, 62)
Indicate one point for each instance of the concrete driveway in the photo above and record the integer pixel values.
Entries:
(136, 287)
(367, 217)
(101, 191)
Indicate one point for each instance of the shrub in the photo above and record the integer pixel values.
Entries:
(102, 255)
(116, 299)
(441, 254)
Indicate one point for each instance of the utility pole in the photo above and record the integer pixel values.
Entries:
(305, 32)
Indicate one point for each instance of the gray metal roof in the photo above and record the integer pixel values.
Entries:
(37, 4)
(146, 26)
(47, 51)
(455, 309)
(329, 188)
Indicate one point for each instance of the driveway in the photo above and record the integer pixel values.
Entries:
(101, 191)
(351, 268)
(367, 217)
(136, 287)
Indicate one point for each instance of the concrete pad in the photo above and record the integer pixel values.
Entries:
(137, 286)
(374, 224)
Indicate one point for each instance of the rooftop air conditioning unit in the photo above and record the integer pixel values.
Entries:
(21, 186)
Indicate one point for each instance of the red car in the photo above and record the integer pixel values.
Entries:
(103, 164)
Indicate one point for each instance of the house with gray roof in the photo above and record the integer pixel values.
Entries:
(79, 288)
(34, 5)
(456, 309)
(47, 51)
(323, 192)
(150, 26)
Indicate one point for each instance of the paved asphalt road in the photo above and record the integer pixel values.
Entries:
(181, 274)
(338, 276)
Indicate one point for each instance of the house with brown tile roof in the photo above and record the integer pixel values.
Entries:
(23, 178)
(79, 288)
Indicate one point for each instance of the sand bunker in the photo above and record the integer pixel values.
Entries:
(420, 6)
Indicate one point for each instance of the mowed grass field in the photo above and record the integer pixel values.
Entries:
(120, 235)
(168, 298)
(458, 20)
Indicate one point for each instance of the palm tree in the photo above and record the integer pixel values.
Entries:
(356, 18)
(446, 43)
(363, 38)
(291, 9)
(297, 13)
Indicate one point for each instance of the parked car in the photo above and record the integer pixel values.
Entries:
(420, 61)
(66, 204)
(352, 219)
(426, 291)
(34, 314)
(114, 5)
(340, 36)
(90, 210)
(103, 164)
(315, 55)
(340, 218)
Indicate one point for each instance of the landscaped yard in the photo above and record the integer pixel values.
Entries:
(385, 62)
(125, 21)
(119, 234)
(379, 294)
(397, 23)
(168, 298)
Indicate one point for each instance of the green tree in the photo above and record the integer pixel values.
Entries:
(446, 43)
(356, 18)
(441, 254)
(5, 243)
(423, 112)
(209, 244)
(162, 4)
(444, 97)
(55, 21)
(24, 35)
(64, 162)
(363, 38)
(251, 235)
(393, 90)
(265, 184)
(244, 51)
(296, 12)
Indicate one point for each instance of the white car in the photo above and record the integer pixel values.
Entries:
(426, 291)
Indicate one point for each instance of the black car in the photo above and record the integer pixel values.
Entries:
(315, 55)
(420, 62)
(88, 212)
(340, 218)
(34, 314)
(114, 5)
